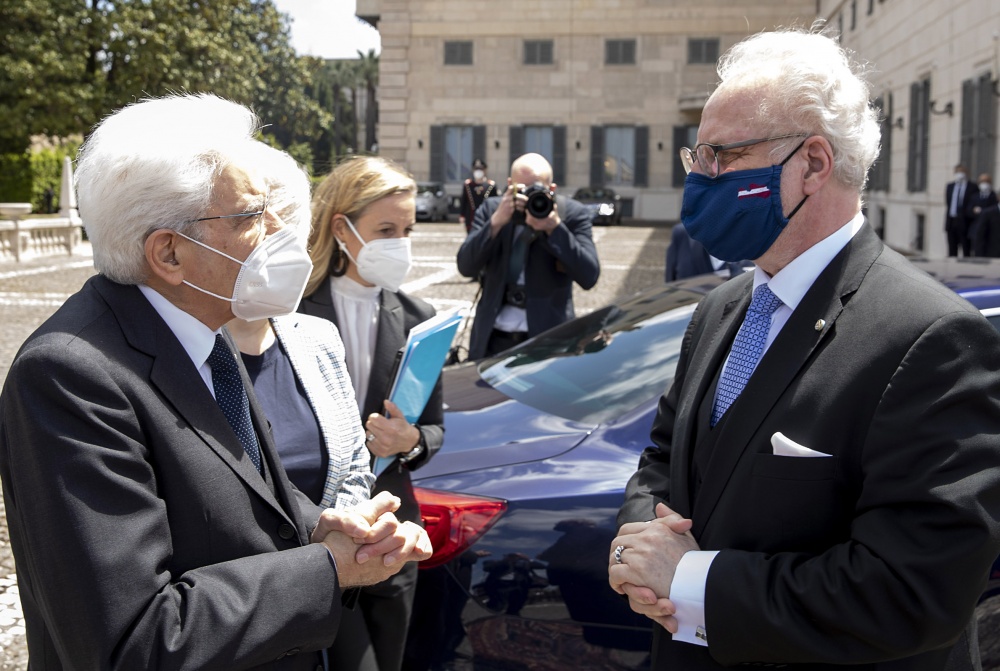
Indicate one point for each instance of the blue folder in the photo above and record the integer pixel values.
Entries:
(420, 363)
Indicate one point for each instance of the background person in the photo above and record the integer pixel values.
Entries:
(958, 196)
(150, 519)
(686, 257)
(841, 507)
(297, 368)
(474, 192)
(528, 264)
(363, 213)
(983, 198)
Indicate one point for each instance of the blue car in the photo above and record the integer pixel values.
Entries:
(522, 499)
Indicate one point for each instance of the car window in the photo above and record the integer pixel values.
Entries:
(597, 367)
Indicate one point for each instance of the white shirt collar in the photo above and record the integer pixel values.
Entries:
(792, 282)
(196, 338)
(352, 290)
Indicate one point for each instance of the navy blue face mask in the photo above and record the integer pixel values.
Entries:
(737, 216)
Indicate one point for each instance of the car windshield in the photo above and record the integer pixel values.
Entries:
(428, 188)
(599, 366)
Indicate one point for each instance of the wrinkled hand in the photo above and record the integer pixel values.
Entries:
(390, 435)
(361, 523)
(652, 551)
(358, 541)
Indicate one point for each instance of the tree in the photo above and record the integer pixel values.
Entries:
(368, 75)
(65, 64)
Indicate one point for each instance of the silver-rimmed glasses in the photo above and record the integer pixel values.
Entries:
(257, 215)
(707, 155)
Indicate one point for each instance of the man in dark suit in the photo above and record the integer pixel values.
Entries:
(824, 481)
(958, 196)
(151, 521)
(528, 263)
(988, 232)
(686, 257)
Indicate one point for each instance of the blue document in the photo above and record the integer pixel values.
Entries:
(419, 367)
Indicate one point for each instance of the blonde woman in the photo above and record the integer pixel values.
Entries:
(363, 214)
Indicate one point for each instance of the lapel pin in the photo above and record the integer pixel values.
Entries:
(820, 323)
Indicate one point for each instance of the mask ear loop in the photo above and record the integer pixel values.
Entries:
(782, 164)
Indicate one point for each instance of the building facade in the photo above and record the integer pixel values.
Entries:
(934, 75)
(607, 90)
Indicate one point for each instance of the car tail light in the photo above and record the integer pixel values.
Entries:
(455, 521)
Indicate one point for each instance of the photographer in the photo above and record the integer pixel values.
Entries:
(530, 245)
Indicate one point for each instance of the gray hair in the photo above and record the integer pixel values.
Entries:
(806, 82)
(153, 165)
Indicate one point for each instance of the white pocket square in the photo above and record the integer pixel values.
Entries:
(786, 447)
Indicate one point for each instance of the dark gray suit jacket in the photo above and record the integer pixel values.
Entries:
(398, 313)
(553, 264)
(144, 537)
(876, 553)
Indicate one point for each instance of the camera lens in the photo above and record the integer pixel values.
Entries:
(539, 203)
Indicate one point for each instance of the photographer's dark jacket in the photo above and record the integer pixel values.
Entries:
(552, 264)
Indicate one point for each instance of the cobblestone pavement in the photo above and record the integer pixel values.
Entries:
(631, 259)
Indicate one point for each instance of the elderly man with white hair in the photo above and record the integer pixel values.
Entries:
(152, 524)
(823, 487)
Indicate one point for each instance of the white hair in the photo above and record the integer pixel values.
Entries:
(806, 82)
(153, 165)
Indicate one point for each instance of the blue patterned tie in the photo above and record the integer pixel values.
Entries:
(747, 348)
(232, 397)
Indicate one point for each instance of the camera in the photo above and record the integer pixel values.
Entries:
(539, 200)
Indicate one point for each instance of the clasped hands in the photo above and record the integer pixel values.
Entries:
(368, 543)
(649, 558)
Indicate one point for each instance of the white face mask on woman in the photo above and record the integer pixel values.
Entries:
(383, 262)
(271, 280)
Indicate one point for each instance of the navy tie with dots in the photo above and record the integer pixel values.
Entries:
(747, 349)
(232, 397)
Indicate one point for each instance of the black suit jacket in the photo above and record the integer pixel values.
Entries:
(143, 535)
(398, 313)
(877, 554)
(686, 257)
(553, 263)
(987, 240)
(964, 217)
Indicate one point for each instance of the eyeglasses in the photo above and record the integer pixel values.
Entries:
(257, 215)
(707, 155)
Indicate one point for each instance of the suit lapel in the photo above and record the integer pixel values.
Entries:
(782, 362)
(176, 377)
(721, 329)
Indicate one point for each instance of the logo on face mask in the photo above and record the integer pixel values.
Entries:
(272, 278)
(754, 191)
(383, 262)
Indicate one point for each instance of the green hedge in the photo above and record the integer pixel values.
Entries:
(26, 176)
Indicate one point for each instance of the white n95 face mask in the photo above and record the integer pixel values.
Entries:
(383, 262)
(271, 280)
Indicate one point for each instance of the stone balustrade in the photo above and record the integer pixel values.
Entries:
(26, 238)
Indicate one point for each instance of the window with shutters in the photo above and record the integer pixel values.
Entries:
(704, 50)
(457, 153)
(458, 52)
(619, 52)
(919, 133)
(619, 155)
(979, 123)
(538, 52)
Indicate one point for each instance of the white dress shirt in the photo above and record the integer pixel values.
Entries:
(357, 309)
(790, 284)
